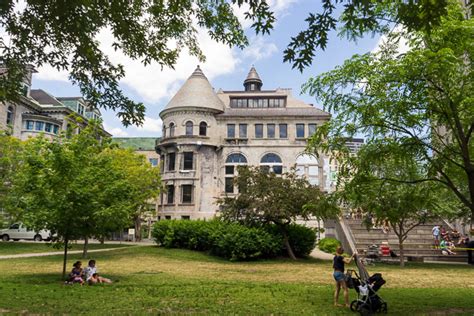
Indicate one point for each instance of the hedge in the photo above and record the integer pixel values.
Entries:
(232, 241)
(329, 245)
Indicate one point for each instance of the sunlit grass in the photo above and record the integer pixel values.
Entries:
(156, 280)
(14, 248)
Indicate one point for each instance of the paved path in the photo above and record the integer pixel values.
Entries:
(55, 253)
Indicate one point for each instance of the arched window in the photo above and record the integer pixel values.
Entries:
(272, 162)
(10, 115)
(171, 129)
(236, 158)
(308, 166)
(231, 164)
(202, 129)
(189, 128)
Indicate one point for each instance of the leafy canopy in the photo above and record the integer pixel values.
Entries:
(63, 34)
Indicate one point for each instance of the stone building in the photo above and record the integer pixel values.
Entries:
(207, 134)
(38, 112)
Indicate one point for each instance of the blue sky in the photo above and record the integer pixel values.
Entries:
(225, 68)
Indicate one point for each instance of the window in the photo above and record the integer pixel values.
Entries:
(270, 130)
(171, 161)
(48, 127)
(299, 130)
(229, 185)
(170, 194)
(39, 125)
(163, 131)
(308, 166)
(283, 130)
(171, 129)
(311, 129)
(55, 129)
(10, 115)
(187, 193)
(15, 226)
(242, 130)
(230, 130)
(80, 109)
(202, 129)
(272, 162)
(185, 217)
(188, 160)
(258, 130)
(232, 161)
(167, 217)
(236, 158)
(189, 128)
(29, 125)
(153, 161)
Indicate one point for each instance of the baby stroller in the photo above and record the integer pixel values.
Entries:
(368, 302)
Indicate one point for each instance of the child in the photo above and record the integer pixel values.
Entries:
(76, 273)
(92, 277)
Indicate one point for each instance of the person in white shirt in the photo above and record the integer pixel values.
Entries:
(92, 276)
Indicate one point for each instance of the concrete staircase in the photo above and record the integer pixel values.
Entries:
(418, 245)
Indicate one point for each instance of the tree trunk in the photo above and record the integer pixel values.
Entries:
(66, 241)
(84, 249)
(402, 252)
(286, 241)
(138, 229)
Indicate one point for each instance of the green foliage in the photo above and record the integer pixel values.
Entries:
(227, 240)
(329, 244)
(266, 198)
(413, 108)
(302, 239)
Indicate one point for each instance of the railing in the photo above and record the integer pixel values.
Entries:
(344, 234)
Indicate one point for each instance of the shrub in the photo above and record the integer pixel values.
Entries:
(229, 240)
(302, 239)
(329, 245)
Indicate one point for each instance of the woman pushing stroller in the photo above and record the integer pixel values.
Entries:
(338, 266)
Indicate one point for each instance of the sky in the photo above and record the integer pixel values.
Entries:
(225, 67)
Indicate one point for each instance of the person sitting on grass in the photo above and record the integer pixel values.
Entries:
(76, 275)
(92, 277)
(338, 265)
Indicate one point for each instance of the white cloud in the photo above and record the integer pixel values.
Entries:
(403, 45)
(115, 131)
(150, 125)
(279, 8)
(259, 49)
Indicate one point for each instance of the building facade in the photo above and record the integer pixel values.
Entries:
(207, 134)
(38, 112)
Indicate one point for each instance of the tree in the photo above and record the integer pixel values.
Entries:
(78, 186)
(10, 149)
(421, 100)
(266, 198)
(157, 31)
(401, 205)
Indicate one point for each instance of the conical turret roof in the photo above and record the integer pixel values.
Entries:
(196, 92)
(253, 76)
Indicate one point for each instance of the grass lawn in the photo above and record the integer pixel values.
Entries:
(155, 280)
(15, 248)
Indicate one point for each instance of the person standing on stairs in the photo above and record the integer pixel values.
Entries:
(435, 231)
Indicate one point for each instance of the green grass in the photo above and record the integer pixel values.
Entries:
(15, 248)
(155, 280)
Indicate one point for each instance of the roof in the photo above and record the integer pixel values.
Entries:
(253, 76)
(44, 98)
(136, 143)
(266, 112)
(196, 92)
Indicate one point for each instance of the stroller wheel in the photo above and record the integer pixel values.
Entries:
(365, 310)
(355, 305)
